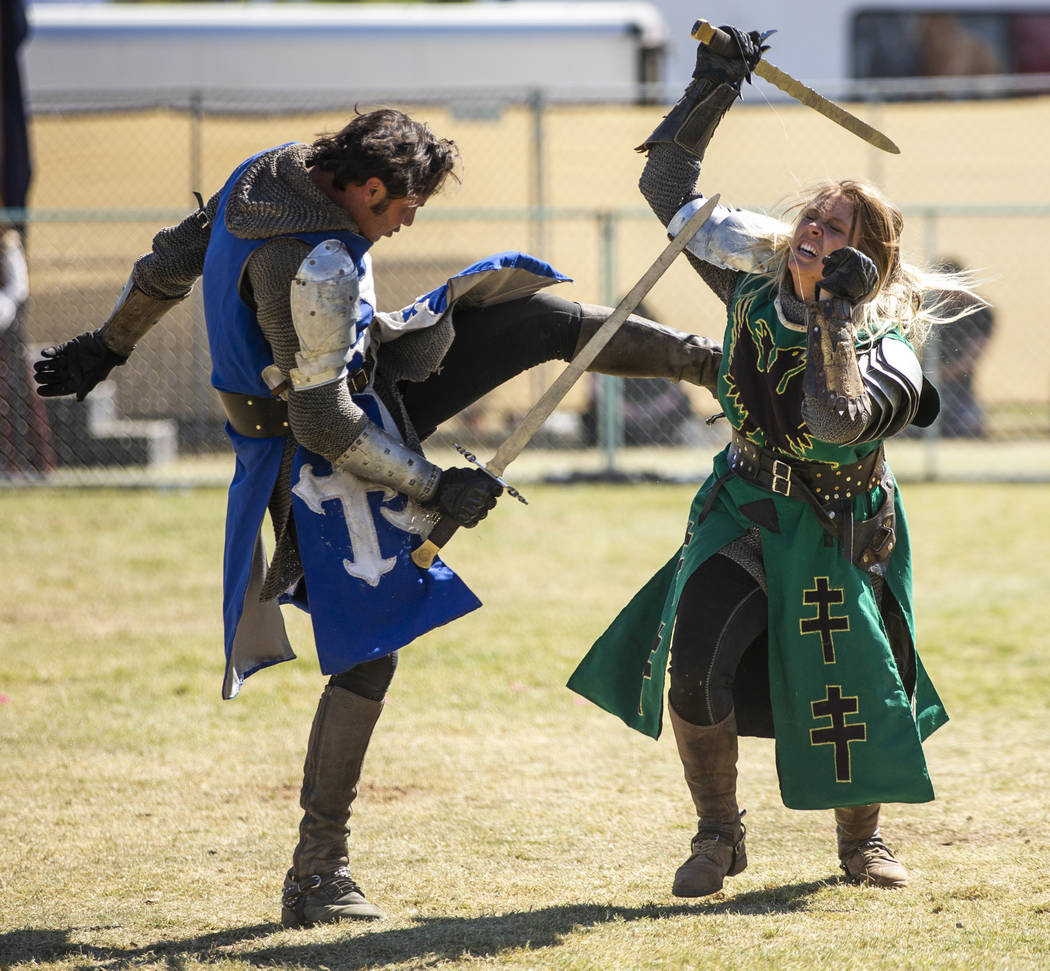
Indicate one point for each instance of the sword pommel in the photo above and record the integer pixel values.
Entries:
(718, 40)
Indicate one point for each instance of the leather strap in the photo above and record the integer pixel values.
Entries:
(865, 543)
(255, 415)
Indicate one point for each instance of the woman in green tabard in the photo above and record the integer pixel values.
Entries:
(787, 611)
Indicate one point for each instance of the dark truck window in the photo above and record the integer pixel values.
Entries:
(909, 43)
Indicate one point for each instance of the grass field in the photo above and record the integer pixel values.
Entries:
(502, 822)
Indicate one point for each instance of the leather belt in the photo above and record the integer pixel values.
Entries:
(792, 477)
(255, 415)
(264, 416)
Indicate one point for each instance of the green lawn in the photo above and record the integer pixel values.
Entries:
(502, 822)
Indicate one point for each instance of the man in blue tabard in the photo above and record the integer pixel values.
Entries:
(328, 400)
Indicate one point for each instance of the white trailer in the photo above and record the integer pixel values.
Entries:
(569, 50)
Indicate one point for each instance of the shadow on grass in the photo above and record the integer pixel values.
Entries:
(430, 941)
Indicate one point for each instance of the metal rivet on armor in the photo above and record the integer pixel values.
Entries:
(831, 513)
(249, 402)
(284, 424)
(836, 495)
(258, 428)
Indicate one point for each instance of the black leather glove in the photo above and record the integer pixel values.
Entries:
(849, 274)
(466, 495)
(730, 69)
(75, 366)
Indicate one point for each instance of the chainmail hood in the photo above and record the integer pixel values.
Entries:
(275, 196)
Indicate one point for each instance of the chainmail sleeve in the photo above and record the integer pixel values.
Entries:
(826, 424)
(668, 182)
(176, 260)
(325, 420)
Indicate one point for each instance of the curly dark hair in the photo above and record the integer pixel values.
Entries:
(405, 155)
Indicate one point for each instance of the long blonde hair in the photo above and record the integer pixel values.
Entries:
(908, 296)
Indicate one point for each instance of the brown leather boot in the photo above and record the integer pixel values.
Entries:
(642, 348)
(709, 754)
(864, 857)
(319, 889)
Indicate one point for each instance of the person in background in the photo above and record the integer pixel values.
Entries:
(959, 349)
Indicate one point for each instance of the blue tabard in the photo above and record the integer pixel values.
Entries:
(365, 596)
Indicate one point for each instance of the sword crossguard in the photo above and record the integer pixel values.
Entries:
(472, 458)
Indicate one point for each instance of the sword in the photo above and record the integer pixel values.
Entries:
(534, 418)
(721, 43)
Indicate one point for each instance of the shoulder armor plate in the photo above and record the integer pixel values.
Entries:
(324, 298)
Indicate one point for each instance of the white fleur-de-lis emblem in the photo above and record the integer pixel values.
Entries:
(367, 562)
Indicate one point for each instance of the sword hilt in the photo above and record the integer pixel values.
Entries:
(721, 42)
(445, 528)
(718, 40)
(507, 487)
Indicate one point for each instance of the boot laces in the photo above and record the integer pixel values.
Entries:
(341, 883)
(873, 848)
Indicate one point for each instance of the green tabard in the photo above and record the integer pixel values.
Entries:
(846, 731)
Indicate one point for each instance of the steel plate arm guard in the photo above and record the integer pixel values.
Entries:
(897, 393)
(378, 457)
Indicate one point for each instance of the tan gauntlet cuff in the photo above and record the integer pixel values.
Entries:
(832, 366)
(132, 318)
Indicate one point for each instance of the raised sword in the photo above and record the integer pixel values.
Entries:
(721, 43)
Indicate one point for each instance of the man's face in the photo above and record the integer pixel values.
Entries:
(378, 214)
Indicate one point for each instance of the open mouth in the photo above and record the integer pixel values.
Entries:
(805, 249)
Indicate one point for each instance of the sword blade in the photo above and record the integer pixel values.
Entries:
(838, 114)
(535, 417)
(722, 43)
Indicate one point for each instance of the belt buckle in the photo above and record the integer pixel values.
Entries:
(781, 474)
(357, 380)
(883, 535)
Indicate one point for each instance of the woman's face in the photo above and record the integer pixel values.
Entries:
(827, 224)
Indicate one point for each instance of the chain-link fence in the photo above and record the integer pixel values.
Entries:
(557, 180)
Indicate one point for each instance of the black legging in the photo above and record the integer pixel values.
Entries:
(721, 612)
(491, 346)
